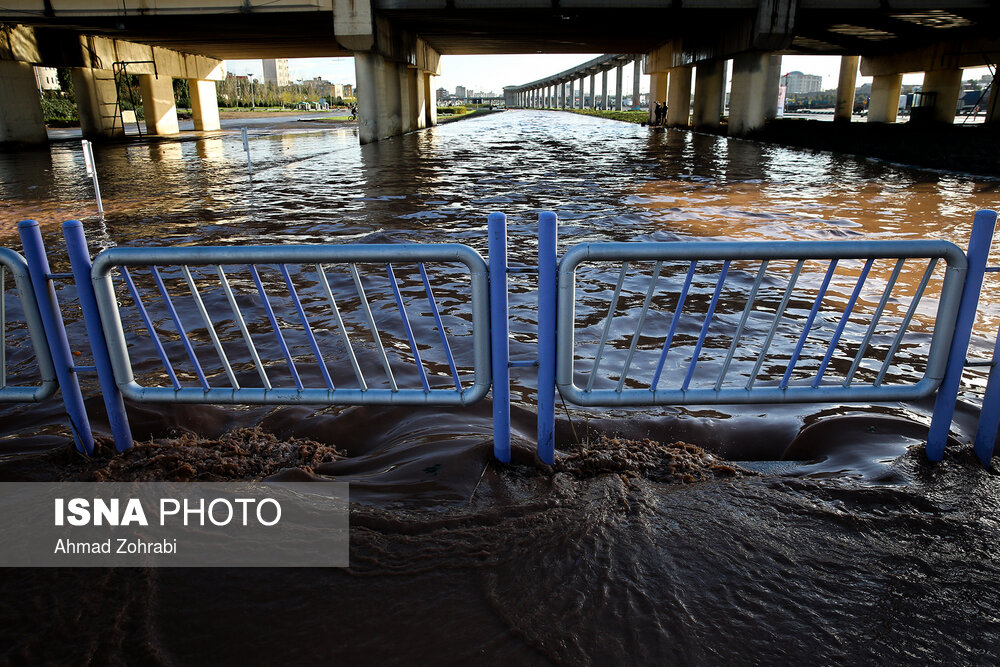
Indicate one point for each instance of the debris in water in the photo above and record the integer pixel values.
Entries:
(246, 453)
(674, 463)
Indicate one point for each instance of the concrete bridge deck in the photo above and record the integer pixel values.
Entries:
(397, 43)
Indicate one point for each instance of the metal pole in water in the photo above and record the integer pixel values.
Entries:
(547, 263)
(500, 333)
(79, 257)
(944, 405)
(246, 148)
(88, 161)
(55, 334)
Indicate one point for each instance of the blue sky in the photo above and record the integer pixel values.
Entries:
(492, 73)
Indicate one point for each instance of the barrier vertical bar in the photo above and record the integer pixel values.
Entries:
(499, 335)
(55, 334)
(79, 258)
(547, 266)
(989, 415)
(944, 404)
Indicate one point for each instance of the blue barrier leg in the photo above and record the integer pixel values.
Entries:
(547, 264)
(944, 404)
(55, 334)
(79, 258)
(989, 416)
(499, 335)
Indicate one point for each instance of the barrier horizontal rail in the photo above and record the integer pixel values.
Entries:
(14, 264)
(276, 324)
(781, 290)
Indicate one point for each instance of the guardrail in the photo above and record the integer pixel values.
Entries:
(659, 324)
(15, 265)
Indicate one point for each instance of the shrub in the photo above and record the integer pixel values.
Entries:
(58, 109)
(451, 111)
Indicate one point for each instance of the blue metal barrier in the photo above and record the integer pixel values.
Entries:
(685, 324)
(805, 375)
(269, 312)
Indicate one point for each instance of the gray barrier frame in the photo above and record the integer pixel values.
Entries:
(106, 262)
(18, 267)
(937, 359)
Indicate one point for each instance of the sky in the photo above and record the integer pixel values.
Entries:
(492, 72)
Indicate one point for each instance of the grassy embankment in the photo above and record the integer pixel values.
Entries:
(624, 116)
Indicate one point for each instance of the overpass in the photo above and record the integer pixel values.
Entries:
(397, 44)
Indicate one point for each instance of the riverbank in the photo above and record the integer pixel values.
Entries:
(475, 112)
(637, 117)
(971, 149)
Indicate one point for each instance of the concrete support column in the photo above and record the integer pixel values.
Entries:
(158, 104)
(604, 88)
(749, 97)
(593, 100)
(947, 84)
(430, 101)
(572, 98)
(845, 88)
(20, 108)
(420, 99)
(657, 93)
(885, 98)
(709, 92)
(993, 106)
(407, 99)
(204, 105)
(96, 101)
(773, 85)
(379, 104)
(636, 74)
(562, 95)
(618, 89)
(679, 97)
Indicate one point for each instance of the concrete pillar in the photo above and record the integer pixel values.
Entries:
(679, 97)
(593, 100)
(420, 100)
(709, 91)
(204, 105)
(773, 85)
(657, 93)
(96, 102)
(636, 73)
(430, 101)
(562, 95)
(993, 106)
(379, 104)
(604, 88)
(749, 97)
(845, 88)
(618, 89)
(158, 104)
(20, 108)
(947, 84)
(572, 100)
(885, 98)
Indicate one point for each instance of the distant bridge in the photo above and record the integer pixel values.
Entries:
(397, 45)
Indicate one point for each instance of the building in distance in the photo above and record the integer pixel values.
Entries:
(276, 71)
(797, 82)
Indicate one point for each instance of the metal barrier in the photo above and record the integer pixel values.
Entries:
(14, 264)
(266, 300)
(861, 321)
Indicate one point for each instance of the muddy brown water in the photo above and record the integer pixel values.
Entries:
(715, 535)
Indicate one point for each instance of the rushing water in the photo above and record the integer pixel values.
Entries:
(859, 551)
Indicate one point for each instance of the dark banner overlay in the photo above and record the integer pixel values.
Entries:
(159, 524)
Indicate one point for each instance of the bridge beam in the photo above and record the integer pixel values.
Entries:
(845, 88)
(748, 103)
(158, 104)
(21, 111)
(679, 97)
(96, 103)
(709, 92)
(946, 84)
(884, 104)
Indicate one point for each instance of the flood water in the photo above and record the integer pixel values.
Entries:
(853, 548)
